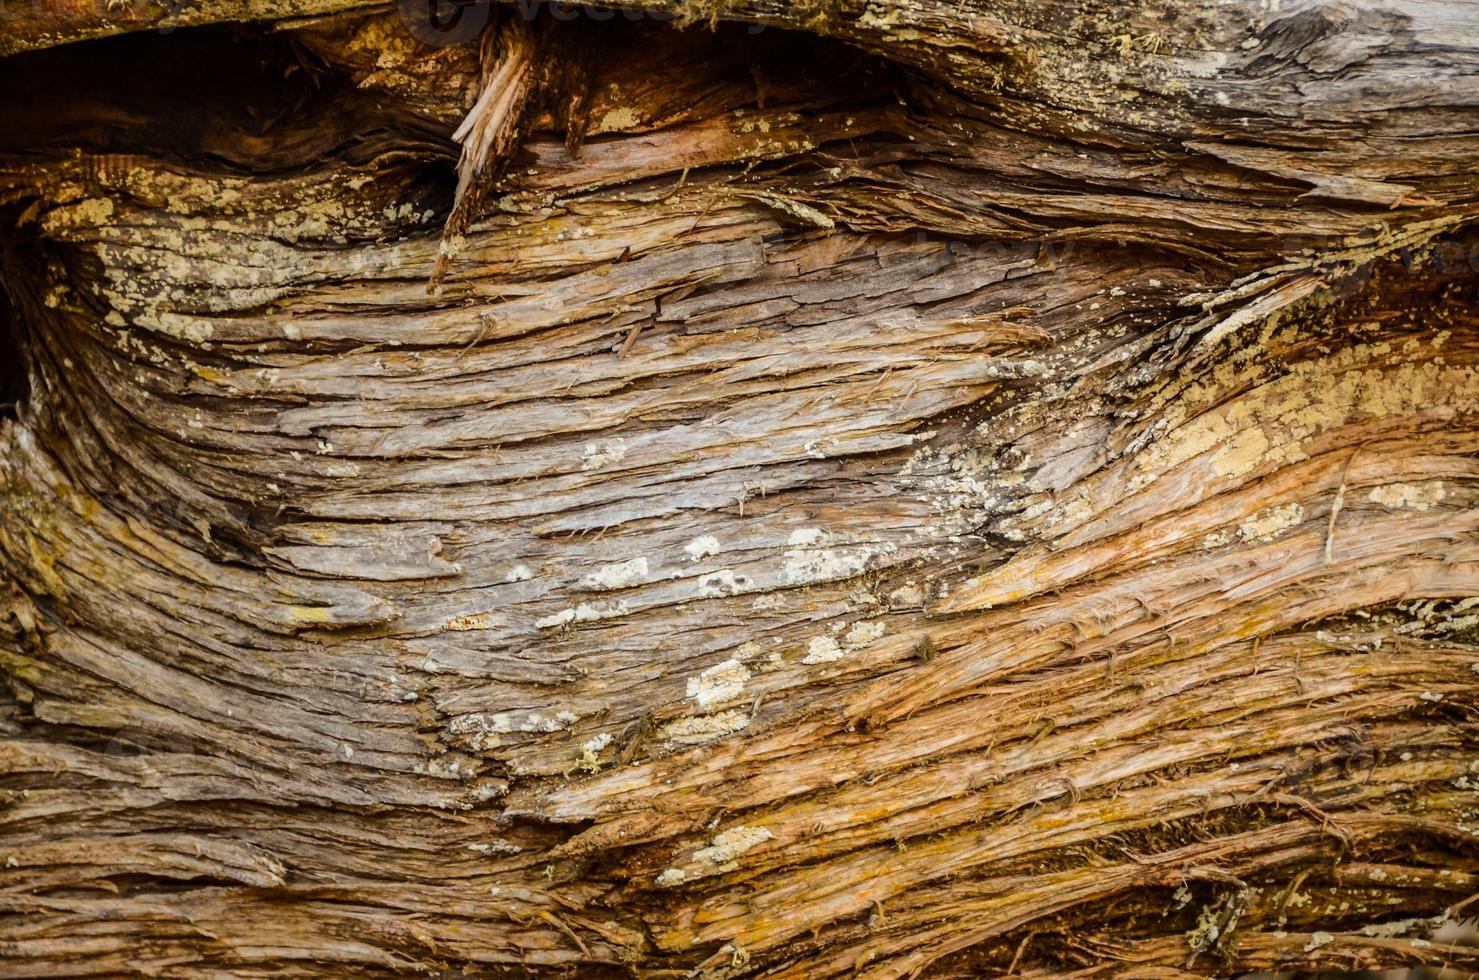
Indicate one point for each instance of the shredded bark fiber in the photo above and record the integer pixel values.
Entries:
(883, 490)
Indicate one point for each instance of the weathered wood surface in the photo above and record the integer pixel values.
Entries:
(941, 489)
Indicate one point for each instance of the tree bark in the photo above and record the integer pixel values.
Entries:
(880, 489)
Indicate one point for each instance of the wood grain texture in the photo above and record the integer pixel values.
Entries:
(915, 489)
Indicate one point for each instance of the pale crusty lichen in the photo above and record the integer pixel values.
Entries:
(811, 559)
(1412, 496)
(603, 453)
(1270, 522)
(618, 119)
(698, 729)
(822, 650)
(617, 575)
(702, 547)
(730, 844)
(722, 682)
(862, 633)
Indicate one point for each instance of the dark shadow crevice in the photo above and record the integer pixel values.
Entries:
(212, 99)
(15, 382)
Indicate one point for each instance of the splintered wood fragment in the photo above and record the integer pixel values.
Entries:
(492, 128)
(485, 323)
(682, 180)
(804, 213)
(1337, 504)
(559, 924)
(632, 335)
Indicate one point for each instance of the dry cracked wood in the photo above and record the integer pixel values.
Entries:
(936, 490)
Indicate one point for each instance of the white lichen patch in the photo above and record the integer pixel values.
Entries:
(1412, 496)
(617, 575)
(1241, 454)
(721, 682)
(671, 877)
(90, 212)
(1206, 931)
(698, 729)
(1216, 922)
(1318, 939)
(586, 612)
(193, 330)
(822, 650)
(450, 767)
(812, 560)
(474, 621)
(603, 453)
(862, 633)
(960, 486)
(730, 844)
(724, 582)
(1403, 927)
(505, 722)
(1005, 368)
(495, 846)
(618, 119)
(702, 547)
(906, 596)
(1269, 523)
(589, 759)
(519, 573)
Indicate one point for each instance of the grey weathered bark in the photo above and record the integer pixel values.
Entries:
(926, 488)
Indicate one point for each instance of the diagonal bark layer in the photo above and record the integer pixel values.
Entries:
(932, 489)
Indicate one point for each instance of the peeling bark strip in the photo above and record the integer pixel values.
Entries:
(929, 489)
